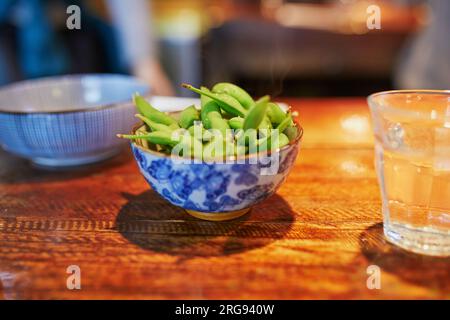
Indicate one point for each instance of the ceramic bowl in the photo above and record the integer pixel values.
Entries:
(69, 120)
(216, 191)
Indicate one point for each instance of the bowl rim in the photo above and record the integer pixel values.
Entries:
(296, 141)
(74, 77)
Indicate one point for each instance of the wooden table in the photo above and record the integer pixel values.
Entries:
(314, 239)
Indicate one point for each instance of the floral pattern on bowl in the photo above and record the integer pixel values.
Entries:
(215, 187)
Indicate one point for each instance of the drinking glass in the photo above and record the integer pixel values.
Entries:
(412, 161)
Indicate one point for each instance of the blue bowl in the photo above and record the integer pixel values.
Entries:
(68, 120)
(216, 191)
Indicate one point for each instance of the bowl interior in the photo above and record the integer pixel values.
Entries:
(69, 93)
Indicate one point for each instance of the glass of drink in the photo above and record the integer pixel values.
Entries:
(412, 160)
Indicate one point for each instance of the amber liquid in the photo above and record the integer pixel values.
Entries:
(418, 194)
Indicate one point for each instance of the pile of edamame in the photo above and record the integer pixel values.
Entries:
(229, 123)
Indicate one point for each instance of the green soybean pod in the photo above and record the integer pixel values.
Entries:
(193, 129)
(174, 126)
(263, 144)
(236, 123)
(282, 141)
(265, 124)
(226, 115)
(154, 126)
(285, 123)
(275, 113)
(185, 145)
(199, 132)
(219, 124)
(236, 92)
(225, 101)
(162, 138)
(208, 106)
(247, 137)
(256, 114)
(291, 132)
(151, 113)
(157, 137)
(269, 143)
(188, 116)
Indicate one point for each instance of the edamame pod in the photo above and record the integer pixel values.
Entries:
(151, 113)
(154, 126)
(246, 137)
(219, 147)
(269, 143)
(265, 124)
(174, 126)
(236, 123)
(275, 113)
(181, 143)
(225, 107)
(236, 92)
(291, 132)
(193, 146)
(256, 114)
(285, 123)
(188, 116)
(226, 102)
(195, 130)
(282, 140)
(219, 124)
(199, 132)
(209, 106)
(157, 137)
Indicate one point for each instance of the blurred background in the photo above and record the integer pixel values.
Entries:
(280, 47)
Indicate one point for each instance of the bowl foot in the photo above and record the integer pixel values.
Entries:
(76, 161)
(218, 216)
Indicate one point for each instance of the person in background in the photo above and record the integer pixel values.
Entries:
(425, 62)
(35, 41)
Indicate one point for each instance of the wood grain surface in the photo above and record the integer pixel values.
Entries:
(314, 239)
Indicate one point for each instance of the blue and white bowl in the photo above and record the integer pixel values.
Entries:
(216, 191)
(68, 120)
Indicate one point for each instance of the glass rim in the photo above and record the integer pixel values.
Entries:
(403, 91)
(376, 106)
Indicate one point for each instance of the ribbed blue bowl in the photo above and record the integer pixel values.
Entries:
(69, 120)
